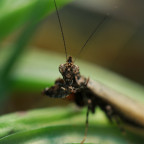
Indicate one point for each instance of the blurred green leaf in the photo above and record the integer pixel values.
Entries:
(58, 125)
(14, 14)
(9, 11)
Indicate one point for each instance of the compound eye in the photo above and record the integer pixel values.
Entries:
(76, 69)
(62, 68)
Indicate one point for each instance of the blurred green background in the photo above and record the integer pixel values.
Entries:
(32, 48)
(29, 31)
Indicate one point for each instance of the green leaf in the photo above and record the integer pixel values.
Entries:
(14, 14)
(59, 125)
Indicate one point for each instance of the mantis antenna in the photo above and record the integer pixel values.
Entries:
(61, 28)
(91, 35)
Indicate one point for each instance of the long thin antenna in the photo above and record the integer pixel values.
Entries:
(98, 26)
(60, 24)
